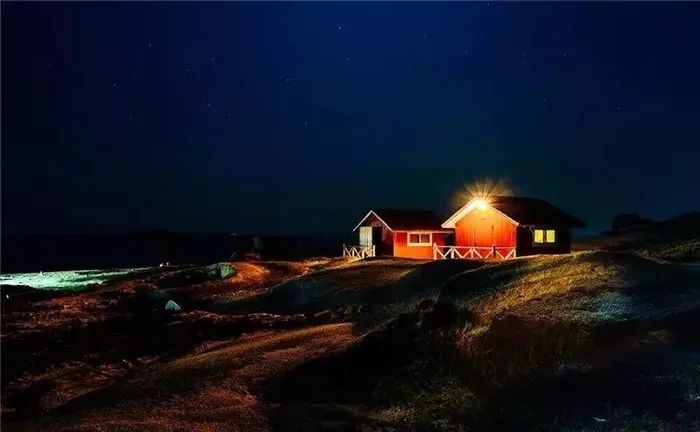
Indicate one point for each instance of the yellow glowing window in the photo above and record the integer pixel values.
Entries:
(550, 236)
(539, 236)
(545, 236)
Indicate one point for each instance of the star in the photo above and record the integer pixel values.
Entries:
(149, 44)
(347, 58)
(340, 27)
(114, 84)
(306, 123)
(131, 118)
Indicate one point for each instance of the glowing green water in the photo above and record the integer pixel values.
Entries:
(69, 280)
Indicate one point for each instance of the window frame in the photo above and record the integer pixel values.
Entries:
(419, 234)
(544, 241)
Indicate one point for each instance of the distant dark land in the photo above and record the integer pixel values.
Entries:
(674, 239)
(45, 252)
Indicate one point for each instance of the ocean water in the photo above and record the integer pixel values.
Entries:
(36, 253)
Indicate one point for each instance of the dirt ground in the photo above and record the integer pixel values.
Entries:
(589, 341)
(59, 348)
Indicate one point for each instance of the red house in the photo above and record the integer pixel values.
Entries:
(399, 233)
(504, 227)
(499, 227)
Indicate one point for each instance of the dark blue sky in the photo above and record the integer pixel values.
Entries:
(298, 117)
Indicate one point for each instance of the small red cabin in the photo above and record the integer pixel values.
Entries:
(401, 233)
(504, 227)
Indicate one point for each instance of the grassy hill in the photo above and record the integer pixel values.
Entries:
(506, 344)
(596, 340)
(676, 239)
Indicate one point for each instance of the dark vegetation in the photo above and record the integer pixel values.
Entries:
(676, 239)
(596, 340)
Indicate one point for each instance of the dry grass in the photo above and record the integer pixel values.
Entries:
(588, 287)
(527, 313)
(58, 347)
(374, 282)
(435, 367)
(676, 239)
(212, 390)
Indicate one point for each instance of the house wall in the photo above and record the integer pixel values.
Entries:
(385, 245)
(485, 227)
(403, 250)
(525, 246)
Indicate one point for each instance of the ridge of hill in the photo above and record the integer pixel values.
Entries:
(676, 239)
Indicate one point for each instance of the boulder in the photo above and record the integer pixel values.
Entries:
(196, 275)
(171, 306)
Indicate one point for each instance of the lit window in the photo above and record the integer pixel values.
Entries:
(539, 236)
(420, 239)
(549, 236)
(544, 236)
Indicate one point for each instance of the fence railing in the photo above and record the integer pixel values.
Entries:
(358, 251)
(473, 252)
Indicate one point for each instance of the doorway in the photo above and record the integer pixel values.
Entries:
(377, 241)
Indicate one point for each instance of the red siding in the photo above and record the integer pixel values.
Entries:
(485, 227)
(402, 250)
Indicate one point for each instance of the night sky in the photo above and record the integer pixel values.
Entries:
(297, 118)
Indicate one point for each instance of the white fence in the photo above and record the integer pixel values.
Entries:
(473, 252)
(358, 251)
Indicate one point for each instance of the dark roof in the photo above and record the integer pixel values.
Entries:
(533, 211)
(406, 219)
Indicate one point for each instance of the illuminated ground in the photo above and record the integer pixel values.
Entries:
(332, 344)
(73, 280)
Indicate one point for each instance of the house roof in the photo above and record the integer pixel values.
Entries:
(406, 219)
(522, 211)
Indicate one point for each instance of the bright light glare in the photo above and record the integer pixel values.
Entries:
(482, 189)
(481, 204)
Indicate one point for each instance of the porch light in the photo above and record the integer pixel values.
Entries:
(481, 203)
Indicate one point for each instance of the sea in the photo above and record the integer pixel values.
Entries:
(50, 252)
